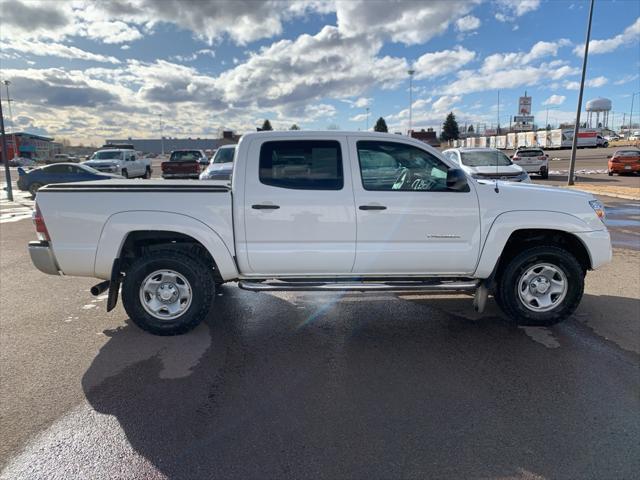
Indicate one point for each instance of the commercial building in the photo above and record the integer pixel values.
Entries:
(29, 145)
(167, 144)
(427, 136)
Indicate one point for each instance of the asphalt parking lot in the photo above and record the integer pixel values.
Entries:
(300, 385)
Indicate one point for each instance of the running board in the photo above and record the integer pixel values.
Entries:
(363, 286)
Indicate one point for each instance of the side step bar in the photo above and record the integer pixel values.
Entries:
(362, 286)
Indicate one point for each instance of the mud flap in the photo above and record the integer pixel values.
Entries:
(114, 285)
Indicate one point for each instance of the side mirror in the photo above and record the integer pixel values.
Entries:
(457, 180)
(609, 156)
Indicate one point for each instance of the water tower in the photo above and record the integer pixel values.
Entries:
(598, 106)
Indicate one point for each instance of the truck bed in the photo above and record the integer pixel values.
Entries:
(76, 215)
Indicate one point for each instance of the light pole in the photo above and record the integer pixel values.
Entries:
(633, 96)
(161, 134)
(367, 119)
(576, 129)
(13, 130)
(410, 72)
(5, 156)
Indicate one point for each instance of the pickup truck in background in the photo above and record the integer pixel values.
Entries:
(323, 211)
(184, 164)
(120, 161)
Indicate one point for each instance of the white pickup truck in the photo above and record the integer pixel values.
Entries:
(323, 211)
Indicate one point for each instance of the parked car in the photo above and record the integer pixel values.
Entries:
(21, 162)
(35, 179)
(59, 158)
(184, 164)
(120, 161)
(301, 215)
(221, 165)
(532, 160)
(487, 164)
(635, 135)
(625, 160)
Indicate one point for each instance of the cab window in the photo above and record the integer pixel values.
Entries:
(387, 166)
(302, 164)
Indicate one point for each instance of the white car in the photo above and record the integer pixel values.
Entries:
(305, 212)
(487, 164)
(532, 160)
(120, 161)
(221, 165)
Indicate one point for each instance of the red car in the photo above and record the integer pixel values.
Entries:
(184, 164)
(624, 161)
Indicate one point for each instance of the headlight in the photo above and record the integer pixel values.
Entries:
(598, 207)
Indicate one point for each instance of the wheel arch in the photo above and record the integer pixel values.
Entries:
(128, 234)
(506, 238)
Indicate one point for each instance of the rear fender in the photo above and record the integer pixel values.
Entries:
(119, 225)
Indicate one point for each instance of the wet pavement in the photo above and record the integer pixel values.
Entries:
(623, 221)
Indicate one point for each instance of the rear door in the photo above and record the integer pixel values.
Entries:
(299, 211)
(408, 221)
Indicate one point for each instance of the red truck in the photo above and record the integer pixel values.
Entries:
(184, 164)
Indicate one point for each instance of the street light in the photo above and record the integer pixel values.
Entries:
(161, 134)
(410, 72)
(5, 155)
(13, 130)
(633, 96)
(367, 119)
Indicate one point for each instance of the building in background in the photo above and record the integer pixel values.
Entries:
(157, 145)
(29, 145)
(427, 136)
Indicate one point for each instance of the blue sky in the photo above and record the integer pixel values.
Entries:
(92, 70)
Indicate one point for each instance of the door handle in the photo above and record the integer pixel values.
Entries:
(265, 207)
(372, 207)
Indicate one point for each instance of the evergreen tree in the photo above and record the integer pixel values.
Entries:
(266, 126)
(294, 127)
(470, 129)
(450, 129)
(380, 126)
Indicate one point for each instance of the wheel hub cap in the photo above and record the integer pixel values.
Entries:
(165, 294)
(542, 287)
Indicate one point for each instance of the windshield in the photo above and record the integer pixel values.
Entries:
(485, 158)
(89, 169)
(106, 155)
(224, 155)
(185, 156)
(529, 153)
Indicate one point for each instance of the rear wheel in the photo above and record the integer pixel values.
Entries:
(540, 286)
(544, 174)
(610, 173)
(147, 173)
(168, 292)
(34, 187)
(125, 174)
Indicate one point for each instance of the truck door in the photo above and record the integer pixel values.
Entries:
(408, 222)
(299, 212)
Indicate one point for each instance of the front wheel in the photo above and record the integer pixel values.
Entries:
(33, 188)
(610, 173)
(168, 292)
(540, 286)
(125, 174)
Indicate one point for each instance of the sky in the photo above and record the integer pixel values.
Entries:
(87, 71)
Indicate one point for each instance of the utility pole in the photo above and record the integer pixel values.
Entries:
(410, 72)
(13, 129)
(161, 134)
(367, 119)
(633, 96)
(576, 129)
(5, 155)
(498, 126)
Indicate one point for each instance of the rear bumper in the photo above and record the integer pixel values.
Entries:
(534, 168)
(598, 245)
(620, 167)
(181, 175)
(42, 257)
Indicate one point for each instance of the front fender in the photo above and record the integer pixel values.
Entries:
(507, 223)
(119, 225)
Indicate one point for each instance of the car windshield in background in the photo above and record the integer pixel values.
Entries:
(530, 153)
(106, 155)
(627, 153)
(90, 170)
(185, 156)
(481, 158)
(224, 155)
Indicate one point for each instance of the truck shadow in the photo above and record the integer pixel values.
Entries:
(355, 386)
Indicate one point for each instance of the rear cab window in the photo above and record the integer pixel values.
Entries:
(302, 164)
(185, 156)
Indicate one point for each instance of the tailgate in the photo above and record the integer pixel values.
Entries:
(180, 167)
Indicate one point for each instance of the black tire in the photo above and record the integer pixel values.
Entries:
(33, 188)
(125, 174)
(507, 296)
(147, 173)
(610, 173)
(544, 174)
(197, 273)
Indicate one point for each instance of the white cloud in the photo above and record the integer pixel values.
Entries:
(445, 103)
(592, 82)
(555, 100)
(410, 22)
(630, 35)
(509, 9)
(436, 64)
(468, 23)
(361, 117)
(503, 61)
(54, 49)
(362, 102)
(627, 79)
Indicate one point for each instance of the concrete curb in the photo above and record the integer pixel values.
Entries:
(607, 193)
